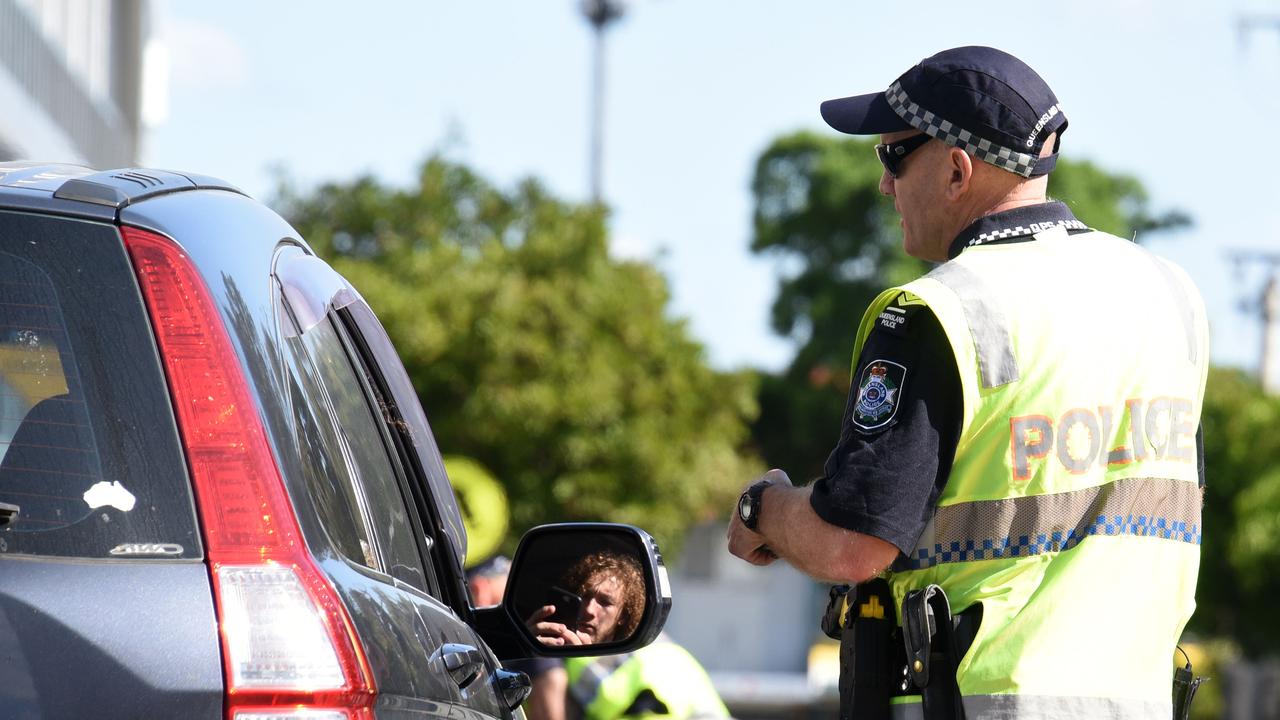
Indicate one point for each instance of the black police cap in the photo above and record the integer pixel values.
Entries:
(494, 565)
(979, 99)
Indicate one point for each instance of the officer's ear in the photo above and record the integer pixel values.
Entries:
(959, 168)
(1050, 145)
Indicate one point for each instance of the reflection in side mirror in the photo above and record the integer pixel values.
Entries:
(587, 589)
(566, 609)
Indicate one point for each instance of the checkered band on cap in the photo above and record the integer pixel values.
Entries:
(948, 132)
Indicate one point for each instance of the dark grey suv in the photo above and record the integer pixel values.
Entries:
(219, 494)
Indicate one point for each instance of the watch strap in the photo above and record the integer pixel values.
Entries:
(755, 495)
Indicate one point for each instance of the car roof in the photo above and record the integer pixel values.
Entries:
(84, 192)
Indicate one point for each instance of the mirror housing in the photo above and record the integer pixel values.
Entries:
(550, 556)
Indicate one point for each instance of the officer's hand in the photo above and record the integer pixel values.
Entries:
(746, 543)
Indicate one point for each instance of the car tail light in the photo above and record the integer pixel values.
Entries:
(289, 648)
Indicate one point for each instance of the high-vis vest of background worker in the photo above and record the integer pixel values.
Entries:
(661, 680)
(1072, 510)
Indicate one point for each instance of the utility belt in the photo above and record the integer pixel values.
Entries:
(881, 659)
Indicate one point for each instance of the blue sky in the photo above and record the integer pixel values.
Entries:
(1170, 91)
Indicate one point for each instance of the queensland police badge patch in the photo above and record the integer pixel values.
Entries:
(879, 390)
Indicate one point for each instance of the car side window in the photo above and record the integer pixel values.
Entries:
(328, 482)
(395, 526)
(354, 476)
(429, 483)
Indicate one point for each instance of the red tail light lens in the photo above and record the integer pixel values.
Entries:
(288, 645)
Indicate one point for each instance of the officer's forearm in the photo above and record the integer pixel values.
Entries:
(815, 547)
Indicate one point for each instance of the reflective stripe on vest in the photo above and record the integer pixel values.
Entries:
(1046, 707)
(986, 321)
(990, 328)
(608, 687)
(586, 687)
(1036, 524)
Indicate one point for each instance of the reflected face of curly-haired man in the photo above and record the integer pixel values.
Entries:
(601, 609)
(612, 591)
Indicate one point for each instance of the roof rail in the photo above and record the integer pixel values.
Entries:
(117, 188)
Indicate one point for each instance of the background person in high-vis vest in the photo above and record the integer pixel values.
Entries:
(660, 680)
(1022, 427)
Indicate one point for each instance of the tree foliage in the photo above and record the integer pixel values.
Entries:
(535, 352)
(819, 212)
(1239, 585)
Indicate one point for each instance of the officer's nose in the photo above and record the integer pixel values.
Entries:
(886, 183)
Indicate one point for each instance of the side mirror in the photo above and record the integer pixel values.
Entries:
(578, 589)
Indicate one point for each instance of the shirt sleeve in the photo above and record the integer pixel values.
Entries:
(898, 437)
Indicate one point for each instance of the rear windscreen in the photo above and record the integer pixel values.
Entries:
(89, 453)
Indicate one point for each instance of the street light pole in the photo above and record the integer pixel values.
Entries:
(1266, 306)
(1246, 24)
(599, 13)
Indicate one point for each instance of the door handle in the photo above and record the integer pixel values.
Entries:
(463, 662)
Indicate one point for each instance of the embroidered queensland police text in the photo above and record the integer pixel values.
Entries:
(879, 391)
(895, 316)
(894, 320)
(1044, 120)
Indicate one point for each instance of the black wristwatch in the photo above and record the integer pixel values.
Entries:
(750, 502)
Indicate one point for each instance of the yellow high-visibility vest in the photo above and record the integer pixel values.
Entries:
(606, 688)
(1072, 511)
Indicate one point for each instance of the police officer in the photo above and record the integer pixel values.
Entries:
(1016, 479)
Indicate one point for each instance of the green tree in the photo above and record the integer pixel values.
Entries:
(819, 212)
(535, 352)
(1239, 585)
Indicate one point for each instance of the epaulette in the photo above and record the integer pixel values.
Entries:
(896, 316)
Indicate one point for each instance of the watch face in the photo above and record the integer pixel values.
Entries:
(746, 509)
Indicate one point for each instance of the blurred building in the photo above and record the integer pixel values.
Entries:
(71, 80)
(755, 630)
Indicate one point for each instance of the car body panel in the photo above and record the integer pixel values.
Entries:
(135, 639)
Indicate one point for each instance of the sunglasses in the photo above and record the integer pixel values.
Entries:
(892, 154)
